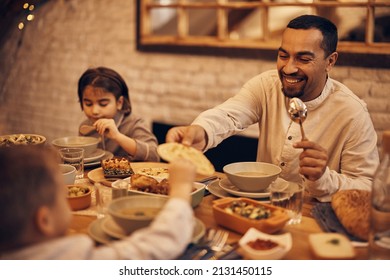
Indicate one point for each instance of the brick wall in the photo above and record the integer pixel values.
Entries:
(40, 68)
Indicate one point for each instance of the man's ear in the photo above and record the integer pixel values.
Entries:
(332, 58)
(44, 221)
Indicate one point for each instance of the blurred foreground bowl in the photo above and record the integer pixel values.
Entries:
(252, 176)
(89, 144)
(68, 173)
(135, 212)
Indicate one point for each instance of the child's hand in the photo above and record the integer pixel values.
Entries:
(181, 177)
(107, 127)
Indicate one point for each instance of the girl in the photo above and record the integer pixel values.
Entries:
(104, 98)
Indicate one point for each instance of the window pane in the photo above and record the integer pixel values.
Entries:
(164, 21)
(382, 25)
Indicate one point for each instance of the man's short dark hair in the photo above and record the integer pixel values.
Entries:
(327, 28)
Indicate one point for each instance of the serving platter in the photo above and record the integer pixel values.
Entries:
(103, 231)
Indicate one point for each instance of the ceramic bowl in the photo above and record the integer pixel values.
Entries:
(134, 212)
(22, 139)
(79, 197)
(283, 244)
(89, 144)
(196, 195)
(68, 173)
(252, 176)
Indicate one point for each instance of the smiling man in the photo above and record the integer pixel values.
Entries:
(340, 151)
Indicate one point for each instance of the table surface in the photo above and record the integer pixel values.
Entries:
(300, 249)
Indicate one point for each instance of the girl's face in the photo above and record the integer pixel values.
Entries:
(98, 103)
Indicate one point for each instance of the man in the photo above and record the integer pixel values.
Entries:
(340, 151)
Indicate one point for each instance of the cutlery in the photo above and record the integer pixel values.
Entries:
(86, 129)
(298, 113)
(216, 243)
(226, 250)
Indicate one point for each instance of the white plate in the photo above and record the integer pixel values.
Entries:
(111, 228)
(96, 232)
(96, 155)
(216, 190)
(107, 155)
(98, 227)
(227, 186)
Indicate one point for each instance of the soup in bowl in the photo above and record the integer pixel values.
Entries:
(252, 176)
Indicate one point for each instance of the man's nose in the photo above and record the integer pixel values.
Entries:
(290, 67)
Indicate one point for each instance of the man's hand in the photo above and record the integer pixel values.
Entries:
(313, 160)
(193, 135)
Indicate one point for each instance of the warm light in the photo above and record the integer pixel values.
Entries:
(30, 17)
(31, 7)
(21, 25)
(25, 6)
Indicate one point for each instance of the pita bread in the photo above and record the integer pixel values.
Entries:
(352, 208)
(171, 151)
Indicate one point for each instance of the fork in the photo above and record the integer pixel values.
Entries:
(216, 243)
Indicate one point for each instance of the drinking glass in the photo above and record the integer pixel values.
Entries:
(103, 198)
(74, 157)
(288, 195)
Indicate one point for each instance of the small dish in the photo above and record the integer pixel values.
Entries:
(79, 197)
(284, 244)
(107, 155)
(227, 186)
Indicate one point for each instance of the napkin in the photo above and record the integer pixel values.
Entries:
(328, 221)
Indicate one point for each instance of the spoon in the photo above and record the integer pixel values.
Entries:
(298, 113)
(87, 129)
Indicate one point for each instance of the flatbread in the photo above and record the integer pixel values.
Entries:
(352, 208)
(171, 151)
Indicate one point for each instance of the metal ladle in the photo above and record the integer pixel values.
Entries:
(298, 113)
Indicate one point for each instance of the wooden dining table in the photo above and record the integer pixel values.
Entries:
(300, 232)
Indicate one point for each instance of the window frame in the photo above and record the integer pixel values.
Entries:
(363, 54)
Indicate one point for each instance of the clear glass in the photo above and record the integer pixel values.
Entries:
(379, 239)
(103, 199)
(288, 195)
(74, 157)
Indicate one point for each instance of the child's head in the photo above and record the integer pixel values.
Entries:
(33, 202)
(102, 92)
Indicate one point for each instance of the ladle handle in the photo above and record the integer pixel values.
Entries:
(302, 132)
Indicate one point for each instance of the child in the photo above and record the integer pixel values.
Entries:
(104, 98)
(35, 213)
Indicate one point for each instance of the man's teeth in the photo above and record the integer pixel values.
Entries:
(292, 81)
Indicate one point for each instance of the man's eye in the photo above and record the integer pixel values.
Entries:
(103, 104)
(304, 59)
(283, 56)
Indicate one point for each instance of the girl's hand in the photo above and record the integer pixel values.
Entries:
(107, 128)
(182, 174)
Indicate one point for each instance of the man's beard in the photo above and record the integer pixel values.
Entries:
(291, 94)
